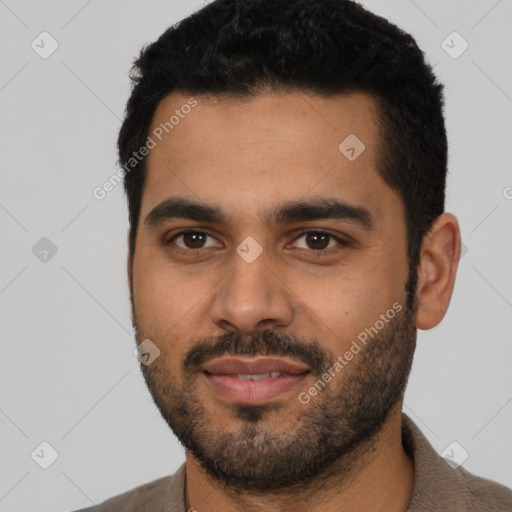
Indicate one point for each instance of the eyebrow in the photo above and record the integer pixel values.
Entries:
(293, 211)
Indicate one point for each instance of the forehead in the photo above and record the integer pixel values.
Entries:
(265, 149)
(296, 119)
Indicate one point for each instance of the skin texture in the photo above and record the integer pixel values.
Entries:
(248, 157)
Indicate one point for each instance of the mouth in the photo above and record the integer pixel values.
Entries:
(253, 380)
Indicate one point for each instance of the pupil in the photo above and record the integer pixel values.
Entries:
(318, 237)
(195, 240)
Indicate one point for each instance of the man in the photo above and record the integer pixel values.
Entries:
(285, 166)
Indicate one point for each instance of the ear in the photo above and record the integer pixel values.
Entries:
(437, 268)
(129, 265)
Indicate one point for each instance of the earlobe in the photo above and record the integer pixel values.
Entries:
(437, 270)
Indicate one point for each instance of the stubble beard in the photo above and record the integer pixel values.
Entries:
(262, 451)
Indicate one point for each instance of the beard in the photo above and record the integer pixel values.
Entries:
(260, 451)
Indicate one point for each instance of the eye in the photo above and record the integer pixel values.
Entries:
(318, 241)
(191, 239)
(313, 241)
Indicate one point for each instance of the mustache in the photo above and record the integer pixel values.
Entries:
(265, 343)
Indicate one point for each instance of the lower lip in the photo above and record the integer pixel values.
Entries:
(252, 391)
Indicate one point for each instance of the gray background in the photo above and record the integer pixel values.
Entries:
(68, 375)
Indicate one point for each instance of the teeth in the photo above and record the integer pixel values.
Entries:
(258, 376)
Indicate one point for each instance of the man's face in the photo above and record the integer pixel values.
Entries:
(300, 286)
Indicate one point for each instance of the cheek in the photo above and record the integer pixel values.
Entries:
(384, 290)
(169, 302)
(330, 306)
(347, 301)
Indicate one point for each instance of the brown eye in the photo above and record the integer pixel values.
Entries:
(191, 240)
(194, 240)
(318, 241)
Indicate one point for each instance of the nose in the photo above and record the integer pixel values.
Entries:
(251, 298)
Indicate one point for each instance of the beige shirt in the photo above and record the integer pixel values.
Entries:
(437, 486)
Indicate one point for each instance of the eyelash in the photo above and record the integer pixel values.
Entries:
(316, 252)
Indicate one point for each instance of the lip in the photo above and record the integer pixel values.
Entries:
(221, 377)
(234, 365)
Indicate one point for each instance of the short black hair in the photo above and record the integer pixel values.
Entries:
(237, 48)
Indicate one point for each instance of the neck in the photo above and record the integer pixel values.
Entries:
(378, 476)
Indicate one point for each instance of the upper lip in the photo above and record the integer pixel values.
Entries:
(260, 365)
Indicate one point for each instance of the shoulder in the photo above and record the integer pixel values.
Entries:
(486, 492)
(440, 487)
(153, 496)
